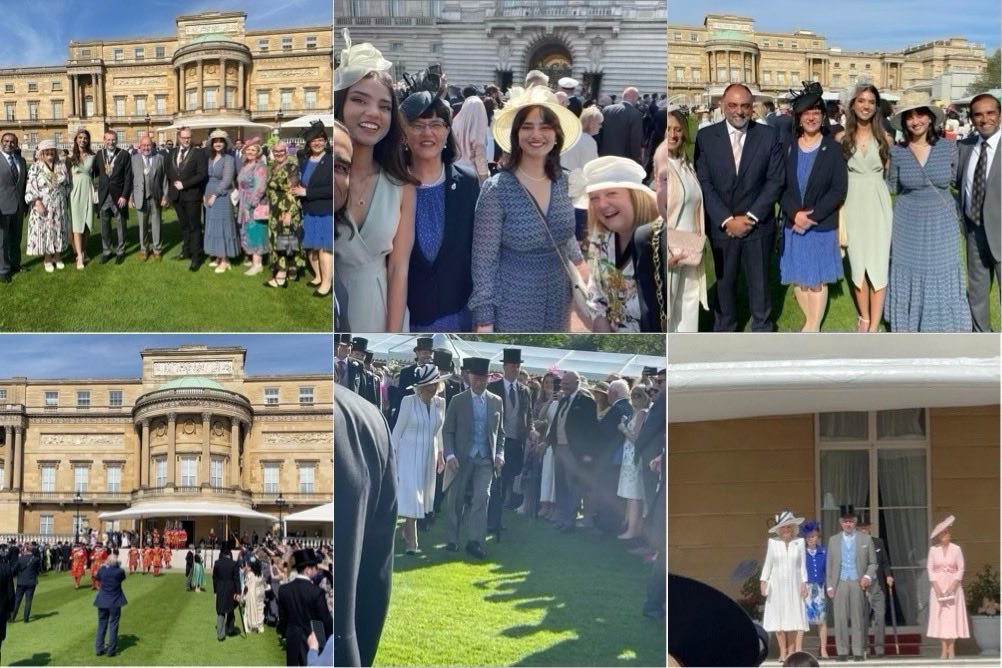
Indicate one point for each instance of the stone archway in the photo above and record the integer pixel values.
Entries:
(553, 58)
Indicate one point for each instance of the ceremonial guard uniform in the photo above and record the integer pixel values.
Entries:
(97, 558)
(78, 563)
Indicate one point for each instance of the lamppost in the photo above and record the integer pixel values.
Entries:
(279, 116)
(77, 499)
(280, 502)
(149, 130)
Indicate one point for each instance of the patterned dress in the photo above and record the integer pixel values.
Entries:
(48, 232)
(519, 282)
(816, 605)
(285, 218)
(220, 225)
(612, 290)
(925, 290)
(250, 189)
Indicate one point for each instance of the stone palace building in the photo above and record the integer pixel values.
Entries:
(192, 430)
(604, 44)
(703, 59)
(210, 71)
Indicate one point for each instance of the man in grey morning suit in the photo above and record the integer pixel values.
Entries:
(13, 181)
(851, 566)
(978, 182)
(149, 185)
(473, 443)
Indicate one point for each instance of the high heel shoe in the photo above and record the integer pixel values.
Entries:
(317, 293)
(275, 283)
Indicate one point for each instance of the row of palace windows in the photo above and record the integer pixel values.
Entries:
(264, 45)
(188, 470)
(766, 43)
(83, 397)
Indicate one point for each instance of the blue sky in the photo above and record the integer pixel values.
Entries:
(117, 355)
(37, 32)
(868, 25)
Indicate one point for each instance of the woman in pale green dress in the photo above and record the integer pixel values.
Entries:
(83, 195)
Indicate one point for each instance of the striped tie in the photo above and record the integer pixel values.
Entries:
(978, 184)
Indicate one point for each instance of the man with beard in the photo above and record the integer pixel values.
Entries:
(341, 151)
(516, 400)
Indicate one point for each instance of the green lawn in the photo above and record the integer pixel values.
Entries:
(161, 626)
(539, 599)
(153, 297)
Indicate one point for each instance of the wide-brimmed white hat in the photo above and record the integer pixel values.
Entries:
(916, 100)
(942, 526)
(356, 62)
(785, 519)
(568, 82)
(425, 374)
(46, 145)
(531, 97)
(610, 171)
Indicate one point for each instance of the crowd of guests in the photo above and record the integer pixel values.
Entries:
(472, 444)
(254, 203)
(508, 213)
(805, 584)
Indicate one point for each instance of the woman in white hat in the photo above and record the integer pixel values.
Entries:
(221, 239)
(417, 446)
(373, 256)
(523, 232)
(784, 584)
(926, 282)
(48, 226)
(612, 191)
(947, 608)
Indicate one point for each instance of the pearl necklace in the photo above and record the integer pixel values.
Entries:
(533, 178)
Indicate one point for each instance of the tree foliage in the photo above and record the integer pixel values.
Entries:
(990, 77)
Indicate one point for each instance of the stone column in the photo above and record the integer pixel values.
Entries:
(18, 435)
(143, 466)
(206, 432)
(222, 84)
(171, 449)
(240, 86)
(234, 452)
(8, 450)
(99, 92)
(178, 73)
(73, 93)
(201, 85)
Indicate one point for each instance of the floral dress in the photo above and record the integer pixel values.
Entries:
(285, 220)
(612, 290)
(250, 191)
(47, 232)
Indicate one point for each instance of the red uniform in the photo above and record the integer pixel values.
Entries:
(157, 559)
(167, 551)
(133, 559)
(147, 559)
(78, 562)
(97, 558)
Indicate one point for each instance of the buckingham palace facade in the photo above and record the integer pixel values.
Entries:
(193, 428)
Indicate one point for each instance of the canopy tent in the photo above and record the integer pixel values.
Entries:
(185, 508)
(324, 513)
(535, 360)
(997, 92)
(308, 119)
(213, 122)
(711, 380)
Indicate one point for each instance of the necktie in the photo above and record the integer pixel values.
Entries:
(736, 136)
(180, 155)
(978, 185)
(511, 395)
(341, 370)
(13, 167)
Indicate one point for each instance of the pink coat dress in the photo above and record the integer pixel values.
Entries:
(947, 618)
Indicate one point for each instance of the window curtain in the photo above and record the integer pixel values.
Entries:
(901, 477)
(908, 423)
(843, 426)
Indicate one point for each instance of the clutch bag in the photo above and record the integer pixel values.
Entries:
(686, 245)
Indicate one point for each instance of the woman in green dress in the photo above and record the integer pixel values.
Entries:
(83, 195)
(198, 574)
(285, 218)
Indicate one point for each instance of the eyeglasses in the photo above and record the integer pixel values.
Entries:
(431, 125)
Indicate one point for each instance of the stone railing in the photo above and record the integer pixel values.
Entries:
(214, 493)
(67, 497)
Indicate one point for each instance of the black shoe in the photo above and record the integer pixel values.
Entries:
(473, 549)
(99, 652)
(451, 547)
(422, 525)
(194, 266)
(119, 259)
(105, 259)
(109, 654)
(180, 255)
(4, 278)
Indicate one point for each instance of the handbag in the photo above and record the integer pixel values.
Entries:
(684, 245)
(261, 211)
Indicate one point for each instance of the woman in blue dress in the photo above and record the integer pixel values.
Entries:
(926, 283)
(221, 239)
(316, 197)
(816, 604)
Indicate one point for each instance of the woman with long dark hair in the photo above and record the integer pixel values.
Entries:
(524, 228)
(373, 254)
(83, 195)
(221, 239)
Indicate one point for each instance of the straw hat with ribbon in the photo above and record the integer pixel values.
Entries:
(607, 172)
(916, 100)
(533, 96)
(356, 62)
(785, 519)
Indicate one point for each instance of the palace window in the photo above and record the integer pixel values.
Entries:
(231, 97)
(766, 77)
(836, 79)
(191, 98)
(33, 110)
(119, 102)
(679, 74)
(779, 44)
(285, 99)
(113, 482)
(117, 54)
(261, 100)
(271, 396)
(3, 394)
(8, 108)
(45, 525)
(160, 104)
(210, 97)
(80, 472)
(57, 86)
(140, 105)
(216, 472)
(693, 37)
(310, 98)
(160, 52)
(781, 77)
(89, 105)
(83, 398)
(51, 399)
(306, 396)
(306, 478)
(436, 47)
(120, 137)
(139, 53)
(765, 43)
(311, 41)
(32, 87)
(286, 44)
(677, 36)
(836, 65)
(85, 53)
(47, 479)
(114, 398)
(160, 472)
(262, 45)
(868, 66)
(57, 109)
(8, 88)
(852, 66)
(270, 478)
(793, 45)
(2, 477)
(188, 472)
(695, 74)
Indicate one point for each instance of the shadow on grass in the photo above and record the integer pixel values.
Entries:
(37, 659)
(43, 615)
(126, 641)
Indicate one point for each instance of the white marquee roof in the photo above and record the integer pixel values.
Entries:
(724, 377)
(175, 508)
(324, 513)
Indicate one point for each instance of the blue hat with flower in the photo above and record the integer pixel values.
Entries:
(809, 526)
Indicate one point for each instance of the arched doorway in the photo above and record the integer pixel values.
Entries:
(553, 59)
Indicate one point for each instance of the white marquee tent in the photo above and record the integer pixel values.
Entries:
(185, 508)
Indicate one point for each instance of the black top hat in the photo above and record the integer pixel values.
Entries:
(863, 519)
(304, 557)
(697, 613)
(368, 356)
(359, 344)
(465, 364)
(478, 365)
(344, 338)
(512, 356)
(316, 129)
(649, 371)
(443, 360)
(423, 343)
(846, 511)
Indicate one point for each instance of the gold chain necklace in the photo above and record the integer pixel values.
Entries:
(658, 282)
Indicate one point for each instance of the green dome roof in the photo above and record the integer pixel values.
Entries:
(192, 382)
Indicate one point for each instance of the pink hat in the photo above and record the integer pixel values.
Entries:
(942, 526)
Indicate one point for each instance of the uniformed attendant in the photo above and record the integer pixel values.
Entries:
(452, 385)
(366, 382)
(97, 558)
(374, 376)
(78, 563)
(133, 559)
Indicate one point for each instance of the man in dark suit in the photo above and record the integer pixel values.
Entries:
(365, 515)
(877, 598)
(189, 565)
(422, 355)
(114, 187)
(28, 566)
(979, 190)
(473, 445)
(782, 122)
(226, 587)
(649, 453)
(517, 422)
(13, 181)
(453, 385)
(6, 589)
(109, 601)
(571, 434)
(607, 508)
(342, 353)
(148, 189)
(187, 174)
(739, 164)
(623, 128)
(356, 368)
(299, 603)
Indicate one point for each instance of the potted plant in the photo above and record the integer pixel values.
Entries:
(751, 595)
(983, 607)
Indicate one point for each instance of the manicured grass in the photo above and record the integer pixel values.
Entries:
(162, 625)
(539, 599)
(153, 297)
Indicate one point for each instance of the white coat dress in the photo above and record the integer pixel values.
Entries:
(417, 442)
(784, 568)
